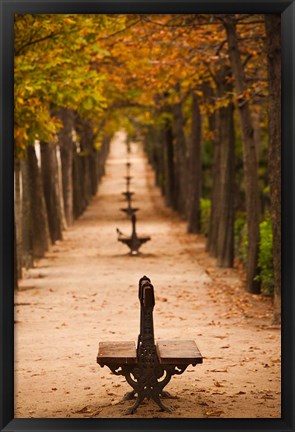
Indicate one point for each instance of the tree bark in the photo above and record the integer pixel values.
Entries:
(85, 132)
(66, 146)
(181, 162)
(49, 170)
(169, 188)
(225, 234)
(102, 156)
(15, 271)
(273, 46)
(27, 229)
(213, 122)
(40, 234)
(194, 170)
(78, 199)
(249, 154)
(18, 216)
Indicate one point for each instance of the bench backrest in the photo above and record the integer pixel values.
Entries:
(146, 348)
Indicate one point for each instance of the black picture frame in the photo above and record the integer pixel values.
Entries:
(7, 10)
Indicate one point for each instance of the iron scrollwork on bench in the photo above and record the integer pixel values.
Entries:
(150, 368)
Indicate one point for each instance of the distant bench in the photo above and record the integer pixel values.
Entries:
(149, 367)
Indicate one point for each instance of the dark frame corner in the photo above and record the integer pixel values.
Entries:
(7, 10)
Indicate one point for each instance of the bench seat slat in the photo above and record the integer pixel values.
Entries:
(178, 352)
(116, 353)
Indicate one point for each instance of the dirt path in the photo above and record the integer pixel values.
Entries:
(85, 291)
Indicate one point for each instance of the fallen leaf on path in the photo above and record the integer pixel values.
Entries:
(267, 397)
(214, 413)
(24, 304)
(84, 410)
(213, 358)
(240, 393)
(95, 413)
(218, 370)
(217, 384)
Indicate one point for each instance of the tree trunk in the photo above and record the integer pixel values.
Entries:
(225, 234)
(49, 169)
(213, 122)
(181, 162)
(194, 170)
(60, 194)
(85, 131)
(27, 229)
(101, 158)
(155, 154)
(15, 271)
(66, 146)
(224, 230)
(78, 199)
(273, 45)
(249, 154)
(169, 188)
(94, 170)
(18, 216)
(39, 221)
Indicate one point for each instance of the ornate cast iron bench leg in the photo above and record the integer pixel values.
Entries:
(146, 385)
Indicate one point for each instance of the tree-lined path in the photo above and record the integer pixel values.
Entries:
(85, 291)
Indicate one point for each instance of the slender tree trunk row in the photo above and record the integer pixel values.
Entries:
(250, 157)
(273, 45)
(180, 160)
(194, 171)
(220, 243)
(169, 180)
(53, 186)
(182, 167)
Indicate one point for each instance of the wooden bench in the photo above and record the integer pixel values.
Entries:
(149, 366)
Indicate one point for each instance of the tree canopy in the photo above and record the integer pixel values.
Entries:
(98, 64)
(199, 90)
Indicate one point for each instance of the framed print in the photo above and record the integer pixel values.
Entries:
(147, 215)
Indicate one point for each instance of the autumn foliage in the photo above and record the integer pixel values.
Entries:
(193, 88)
